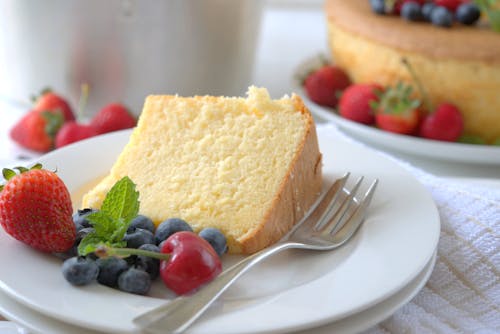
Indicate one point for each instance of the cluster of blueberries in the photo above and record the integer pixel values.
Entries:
(467, 13)
(135, 273)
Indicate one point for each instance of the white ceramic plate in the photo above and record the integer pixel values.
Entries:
(36, 322)
(292, 291)
(468, 153)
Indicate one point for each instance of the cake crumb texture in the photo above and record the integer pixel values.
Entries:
(248, 166)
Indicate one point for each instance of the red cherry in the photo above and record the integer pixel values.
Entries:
(72, 132)
(445, 123)
(192, 263)
(324, 85)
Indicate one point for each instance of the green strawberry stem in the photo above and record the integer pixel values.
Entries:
(82, 103)
(420, 87)
(104, 251)
(8, 173)
(487, 6)
(389, 5)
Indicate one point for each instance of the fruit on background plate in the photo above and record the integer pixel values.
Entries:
(51, 123)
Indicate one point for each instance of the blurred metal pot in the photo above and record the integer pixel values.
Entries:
(127, 49)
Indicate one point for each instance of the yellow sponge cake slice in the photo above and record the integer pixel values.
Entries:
(250, 167)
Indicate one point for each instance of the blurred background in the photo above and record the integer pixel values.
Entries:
(127, 49)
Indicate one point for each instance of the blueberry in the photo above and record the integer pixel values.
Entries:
(110, 269)
(215, 238)
(138, 237)
(169, 227)
(378, 6)
(440, 16)
(427, 9)
(143, 222)
(467, 13)
(135, 281)
(80, 218)
(79, 270)
(149, 264)
(411, 11)
(73, 251)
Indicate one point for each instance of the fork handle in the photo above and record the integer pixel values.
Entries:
(180, 313)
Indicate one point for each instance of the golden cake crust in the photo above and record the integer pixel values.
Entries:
(460, 42)
(298, 191)
(460, 65)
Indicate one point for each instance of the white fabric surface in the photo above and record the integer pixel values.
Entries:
(462, 294)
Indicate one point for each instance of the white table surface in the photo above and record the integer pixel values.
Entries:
(291, 31)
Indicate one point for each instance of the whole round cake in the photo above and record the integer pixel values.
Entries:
(459, 64)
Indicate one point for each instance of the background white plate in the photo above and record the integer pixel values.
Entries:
(459, 152)
(292, 291)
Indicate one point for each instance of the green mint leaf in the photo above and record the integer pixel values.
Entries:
(120, 228)
(122, 201)
(89, 244)
(110, 223)
(103, 224)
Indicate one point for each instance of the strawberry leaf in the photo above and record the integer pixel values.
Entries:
(488, 6)
(54, 121)
(8, 173)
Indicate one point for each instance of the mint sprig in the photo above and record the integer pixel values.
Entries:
(110, 223)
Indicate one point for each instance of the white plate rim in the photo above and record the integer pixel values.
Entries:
(440, 150)
(325, 133)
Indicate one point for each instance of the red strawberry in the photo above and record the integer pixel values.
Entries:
(354, 103)
(36, 130)
(72, 132)
(445, 123)
(451, 5)
(49, 101)
(405, 123)
(399, 4)
(35, 208)
(324, 85)
(397, 111)
(113, 117)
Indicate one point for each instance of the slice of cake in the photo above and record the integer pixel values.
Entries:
(249, 167)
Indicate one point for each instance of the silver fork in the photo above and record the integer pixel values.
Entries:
(331, 222)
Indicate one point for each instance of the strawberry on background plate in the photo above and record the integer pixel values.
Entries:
(397, 111)
(355, 102)
(37, 129)
(113, 117)
(451, 5)
(445, 123)
(72, 132)
(325, 84)
(36, 209)
(50, 101)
